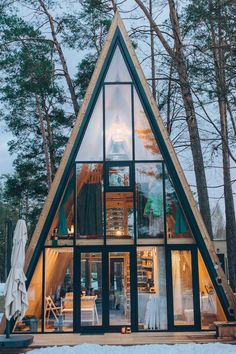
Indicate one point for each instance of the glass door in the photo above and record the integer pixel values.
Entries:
(119, 289)
(90, 289)
(103, 288)
(183, 288)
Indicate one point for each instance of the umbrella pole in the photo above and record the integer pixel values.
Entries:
(9, 248)
(7, 329)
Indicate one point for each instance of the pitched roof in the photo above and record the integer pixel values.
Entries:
(185, 195)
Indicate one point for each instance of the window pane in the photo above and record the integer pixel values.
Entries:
(211, 309)
(119, 215)
(182, 287)
(146, 147)
(118, 123)
(119, 176)
(58, 303)
(152, 303)
(89, 195)
(64, 218)
(62, 227)
(33, 317)
(119, 288)
(91, 148)
(118, 70)
(176, 223)
(91, 289)
(149, 195)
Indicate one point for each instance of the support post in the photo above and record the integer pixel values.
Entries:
(9, 230)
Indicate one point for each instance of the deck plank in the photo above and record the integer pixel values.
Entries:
(72, 339)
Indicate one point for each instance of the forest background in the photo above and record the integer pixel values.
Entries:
(187, 49)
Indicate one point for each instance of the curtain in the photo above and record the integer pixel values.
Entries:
(89, 209)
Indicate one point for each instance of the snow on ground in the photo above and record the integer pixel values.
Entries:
(211, 348)
(2, 285)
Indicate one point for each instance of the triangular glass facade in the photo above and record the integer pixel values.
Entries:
(120, 251)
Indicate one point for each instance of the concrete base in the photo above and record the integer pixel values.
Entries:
(16, 341)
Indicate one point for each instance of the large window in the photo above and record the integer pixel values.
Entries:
(94, 134)
(119, 288)
(58, 296)
(176, 222)
(149, 197)
(151, 279)
(211, 309)
(32, 322)
(146, 147)
(181, 262)
(89, 197)
(118, 122)
(62, 227)
(118, 71)
(119, 215)
(91, 289)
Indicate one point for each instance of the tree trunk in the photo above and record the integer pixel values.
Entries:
(219, 67)
(45, 143)
(62, 58)
(169, 121)
(153, 67)
(50, 143)
(179, 61)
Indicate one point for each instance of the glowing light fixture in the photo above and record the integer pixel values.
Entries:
(119, 135)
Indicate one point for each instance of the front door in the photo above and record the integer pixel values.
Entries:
(184, 307)
(103, 294)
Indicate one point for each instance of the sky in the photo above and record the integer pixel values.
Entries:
(6, 159)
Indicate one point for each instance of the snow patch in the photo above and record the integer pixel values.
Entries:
(216, 348)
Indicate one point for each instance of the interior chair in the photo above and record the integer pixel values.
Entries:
(89, 309)
(51, 308)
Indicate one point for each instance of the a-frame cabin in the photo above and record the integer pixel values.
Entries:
(120, 241)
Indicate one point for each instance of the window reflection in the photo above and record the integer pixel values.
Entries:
(211, 309)
(118, 122)
(119, 176)
(91, 148)
(146, 147)
(149, 187)
(119, 288)
(182, 287)
(151, 278)
(58, 300)
(91, 289)
(118, 70)
(176, 223)
(63, 224)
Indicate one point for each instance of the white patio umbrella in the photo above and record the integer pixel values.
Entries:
(16, 300)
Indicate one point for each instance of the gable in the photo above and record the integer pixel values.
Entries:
(152, 142)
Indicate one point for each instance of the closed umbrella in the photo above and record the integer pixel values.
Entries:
(16, 300)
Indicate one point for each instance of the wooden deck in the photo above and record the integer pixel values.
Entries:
(71, 339)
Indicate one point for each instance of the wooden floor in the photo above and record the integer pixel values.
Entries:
(71, 339)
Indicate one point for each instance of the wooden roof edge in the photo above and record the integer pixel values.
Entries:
(209, 244)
